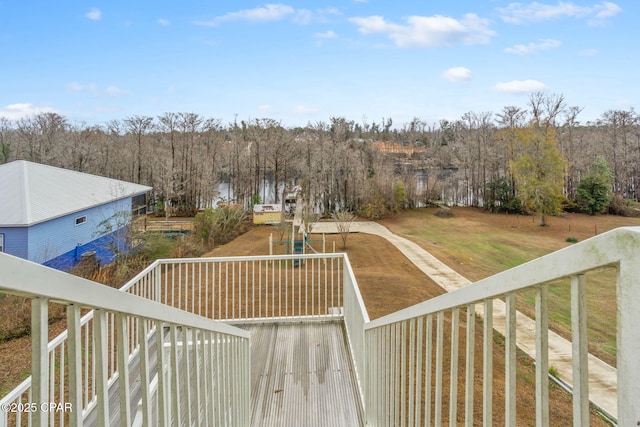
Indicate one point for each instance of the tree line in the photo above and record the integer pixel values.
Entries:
(496, 160)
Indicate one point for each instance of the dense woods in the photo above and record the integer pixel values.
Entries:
(532, 157)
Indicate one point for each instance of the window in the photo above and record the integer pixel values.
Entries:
(139, 205)
(81, 220)
(1, 242)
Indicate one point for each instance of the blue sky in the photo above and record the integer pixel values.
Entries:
(302, 62)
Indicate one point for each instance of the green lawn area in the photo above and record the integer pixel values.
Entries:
(478, 244)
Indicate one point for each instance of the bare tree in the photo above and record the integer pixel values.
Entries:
(343, 220)
(138, 127)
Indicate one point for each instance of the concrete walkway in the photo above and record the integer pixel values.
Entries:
(602, 377)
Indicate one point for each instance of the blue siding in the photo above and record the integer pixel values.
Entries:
(15, 241)
(102, 247)
(61, 238)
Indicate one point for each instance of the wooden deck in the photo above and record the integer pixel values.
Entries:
(302, 374)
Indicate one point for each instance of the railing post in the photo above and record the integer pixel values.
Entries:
(579, 350)
(542, 357)
(439, 349)
(75, 364)
(40, 358)
(163, 406)
(145, 380)
(487, 364)
(122, 332)
(470, 367)
(510, 360)
(102, 374)
(428, 377)
(628, 342)
(453, 371)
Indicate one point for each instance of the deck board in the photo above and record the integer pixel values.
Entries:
(301, 374)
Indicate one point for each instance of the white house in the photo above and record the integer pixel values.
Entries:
(52, 216)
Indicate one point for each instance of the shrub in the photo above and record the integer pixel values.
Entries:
(571, 240)
(594, 190)
(622, 207)
(375, 208)
(218, 226)
(444, 212)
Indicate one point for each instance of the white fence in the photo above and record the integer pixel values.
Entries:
(160, 365)
(243, 288)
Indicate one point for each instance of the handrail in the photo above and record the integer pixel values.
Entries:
(61, 287)
(355, 319)
(137, 322)
(398, 338)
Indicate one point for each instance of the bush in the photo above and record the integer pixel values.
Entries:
(444, 212)
(375, 208)
(620, 206)
(571, 240)
(218, 226)
(594, 190)
(499, 197)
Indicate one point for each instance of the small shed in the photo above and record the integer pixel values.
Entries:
(53, 216)
(267, 214)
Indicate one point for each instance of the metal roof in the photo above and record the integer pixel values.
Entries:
(31, 192)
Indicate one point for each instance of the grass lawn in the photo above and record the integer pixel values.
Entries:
(478, 244)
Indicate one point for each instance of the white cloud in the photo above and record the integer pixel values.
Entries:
(531, 48)
(521, 86)
(268, 13)
(18, 111)
(164, 22)
(94, 15)
(92, 89)
(434, 30)
(607, 10)
(75, 87)
(588, 52)
(301, 110)
(326, 35)
(519, 13)
(115, 91)
(457, 74)
(273, 13)
(265, 108)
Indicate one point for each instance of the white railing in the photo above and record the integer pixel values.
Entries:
(406, 357)
(163, 366)
(399, 359)
(355, 318)
(247, 288)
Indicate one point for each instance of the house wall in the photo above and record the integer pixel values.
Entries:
(60, 242)
(15, 241)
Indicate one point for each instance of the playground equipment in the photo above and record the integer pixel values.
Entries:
(293, 200)
(298, 246)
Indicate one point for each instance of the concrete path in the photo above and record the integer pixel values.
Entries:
(602, 377)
